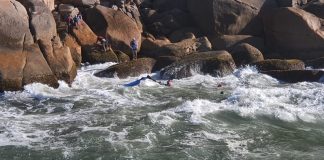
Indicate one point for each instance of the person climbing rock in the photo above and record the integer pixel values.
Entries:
(134, 47)
(69, 23)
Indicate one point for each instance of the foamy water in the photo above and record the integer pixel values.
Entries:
(246, 115)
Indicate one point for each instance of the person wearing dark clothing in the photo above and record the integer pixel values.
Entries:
(134, 47)
(161, 83)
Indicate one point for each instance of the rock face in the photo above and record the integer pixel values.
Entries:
(228, 42)
(129, 69)
(37, 69)
(218, 17)
(75, 48)
(95, 55)
(82, 3)
(84, 35)
(216, 63)
(244, 54)
(295, 76)
(182, 48)
(278, 64)
(305, 40)
(14, 35)
(118, 27)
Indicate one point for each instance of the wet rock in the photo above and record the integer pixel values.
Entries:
(228, 42)
(164, 5)
(95, 55)
(118, 27)
(164, 61)
(216, 63)
(305, 40)
(244, 54)
(129, 69)
(219, 17)
(295, 76)
(278, 64)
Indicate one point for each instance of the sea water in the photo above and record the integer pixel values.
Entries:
(246, 115)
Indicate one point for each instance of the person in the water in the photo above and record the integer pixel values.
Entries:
(168, 83)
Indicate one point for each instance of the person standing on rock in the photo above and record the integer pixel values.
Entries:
(134, 47)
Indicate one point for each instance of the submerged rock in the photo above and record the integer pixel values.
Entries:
(216, 63)
(129, 69)
(316, 63)
(295, 76)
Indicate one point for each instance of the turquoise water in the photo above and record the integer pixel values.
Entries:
(246, 115)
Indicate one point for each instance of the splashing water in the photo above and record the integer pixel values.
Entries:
(246, 115)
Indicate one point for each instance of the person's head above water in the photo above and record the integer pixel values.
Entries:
(169, 82)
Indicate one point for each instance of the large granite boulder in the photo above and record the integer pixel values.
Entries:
(129, 69)
(84, 35)
(95, 55)
(228, 42)
(244, 54)
(81, 3)
(75, 48)
(42, 22)
(164, 5)
(182, 48)
(59, 59)
(216, 63)
(115, 25)
(295, 76)
(218, 17)
(279, 64)
(294, 33)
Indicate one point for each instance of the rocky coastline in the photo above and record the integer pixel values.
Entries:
(280, 37)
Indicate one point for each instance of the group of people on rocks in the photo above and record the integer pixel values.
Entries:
(73, 21)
